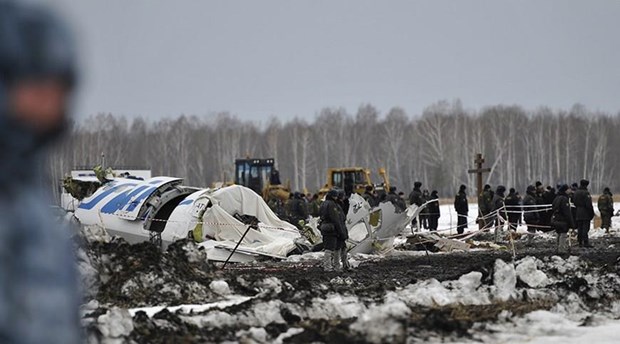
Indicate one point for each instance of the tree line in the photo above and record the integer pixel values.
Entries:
(437, 147)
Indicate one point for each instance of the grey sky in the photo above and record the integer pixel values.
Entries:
(292, 58)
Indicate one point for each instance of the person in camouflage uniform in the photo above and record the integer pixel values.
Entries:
(38, 284)
(606, 208)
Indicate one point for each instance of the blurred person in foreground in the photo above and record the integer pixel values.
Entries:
(38, 285)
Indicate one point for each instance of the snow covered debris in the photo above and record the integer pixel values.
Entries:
(505, 280)
(527, 271)
(220, 287)
(115, 324)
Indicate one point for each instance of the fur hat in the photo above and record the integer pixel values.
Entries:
(500, 189)
(462, 187)
(563, 188)
(417, 184)
(584, 182)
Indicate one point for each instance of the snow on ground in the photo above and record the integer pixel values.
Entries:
(291, 305)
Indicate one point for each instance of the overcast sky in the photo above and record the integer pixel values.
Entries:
(291, 58)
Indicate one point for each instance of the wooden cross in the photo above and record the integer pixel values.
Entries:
(479, 171)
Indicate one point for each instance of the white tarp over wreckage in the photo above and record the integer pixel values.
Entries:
(160, 209)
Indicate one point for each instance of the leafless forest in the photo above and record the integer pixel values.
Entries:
(436, 147)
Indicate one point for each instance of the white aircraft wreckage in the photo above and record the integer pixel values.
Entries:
(226, 220)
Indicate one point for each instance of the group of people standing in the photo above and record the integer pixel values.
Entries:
(546, 209)
(429, 217)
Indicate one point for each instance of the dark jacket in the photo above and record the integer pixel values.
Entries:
(460, 203)
(298, 209)
(415, 197)
(530, 215)
(370, 198)
(498, 203)
(331, 219)
(583, 202)
(433, 207)
(562, 218)
(398, 202)
(512, 205)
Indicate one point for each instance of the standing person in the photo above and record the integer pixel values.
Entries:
(585, 212)
(530, 215)
(548, 197)
(298, 209)
(462, 208)
(343, 234)
(433, 211)
(424, 213)
(485, 200)
(415, 197)
(562, 218)
(330, 227)
(38, 284)
(513, 208)
(499, 210)
(314, 205)
(370, 197)
(606, 208)
(393, 198)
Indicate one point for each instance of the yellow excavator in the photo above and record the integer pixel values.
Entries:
(354, 179)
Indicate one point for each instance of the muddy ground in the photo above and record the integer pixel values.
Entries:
(140, 275)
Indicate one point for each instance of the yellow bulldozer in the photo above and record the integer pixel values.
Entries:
(354, 179)
(261, 176)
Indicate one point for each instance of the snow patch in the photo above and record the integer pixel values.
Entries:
(220, 287)
(527, 271)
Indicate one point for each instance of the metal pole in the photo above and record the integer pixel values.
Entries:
(238, 243)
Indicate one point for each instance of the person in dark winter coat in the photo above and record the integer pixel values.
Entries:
(499, 210)
(331, 227)
(393, 198)
(485, 205)
(370, 196)
(424, 214)
(462, 208)
(513, 208)
(433, 211)
(415, 197)
(585, 212)
(606, 208)
(547, 198)
(530, 212)
(562, 218)
(298, 210)
(343, 235)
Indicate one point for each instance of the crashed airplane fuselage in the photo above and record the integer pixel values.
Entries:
(162, 210)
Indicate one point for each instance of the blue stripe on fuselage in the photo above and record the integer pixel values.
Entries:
(186, 202)
(121, 200)
(92, 203)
